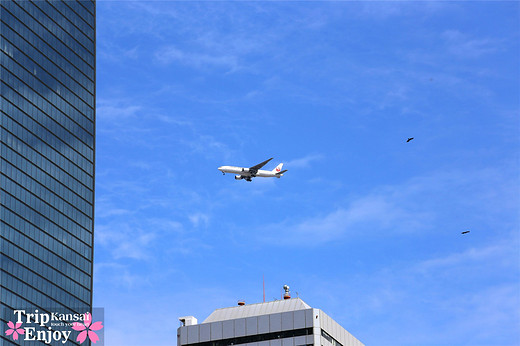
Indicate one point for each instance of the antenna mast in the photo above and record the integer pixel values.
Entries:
(263, 285)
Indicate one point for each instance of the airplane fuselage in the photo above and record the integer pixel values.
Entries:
(246, 173)
(254, 171)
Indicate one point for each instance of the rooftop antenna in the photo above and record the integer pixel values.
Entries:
(263, 285)
(286, 295)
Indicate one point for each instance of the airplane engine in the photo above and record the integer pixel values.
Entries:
(238, 177)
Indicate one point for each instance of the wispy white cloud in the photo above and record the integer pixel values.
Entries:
(413, 207)
(101, 212)
(199, 219)
(466, 296)
(171, 54)
(118, 274)
(304, 162)
(111, 51)
(464, 46)
(208, 146)
(473, 255)
(368, 216)
(484, 293)
(124, 241)
(114, 110)
(391, 9)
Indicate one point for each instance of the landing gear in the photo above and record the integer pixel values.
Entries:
(223, 173)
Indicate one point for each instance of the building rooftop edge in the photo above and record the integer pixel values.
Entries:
(256, 309)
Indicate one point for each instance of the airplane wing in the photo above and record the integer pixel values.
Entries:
(255, 168)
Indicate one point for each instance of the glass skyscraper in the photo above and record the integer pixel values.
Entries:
(47, 158)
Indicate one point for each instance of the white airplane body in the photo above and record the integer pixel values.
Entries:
(255, 171)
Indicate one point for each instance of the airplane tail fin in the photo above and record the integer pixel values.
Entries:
(278, 168)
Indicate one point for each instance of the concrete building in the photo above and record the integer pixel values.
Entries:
(47, 144)
(288, 322)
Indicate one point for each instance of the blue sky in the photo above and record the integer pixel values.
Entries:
(364, 226)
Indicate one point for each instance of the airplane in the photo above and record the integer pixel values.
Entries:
(249, 173)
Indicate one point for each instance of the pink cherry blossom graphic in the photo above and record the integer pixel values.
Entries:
(87, 329)
(14, 330)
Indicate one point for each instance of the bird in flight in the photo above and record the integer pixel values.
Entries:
(465, 232)
(409, 139)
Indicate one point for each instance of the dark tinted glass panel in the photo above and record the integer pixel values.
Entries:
(47, 51)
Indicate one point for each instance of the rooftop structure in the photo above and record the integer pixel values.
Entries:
(288, 322)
